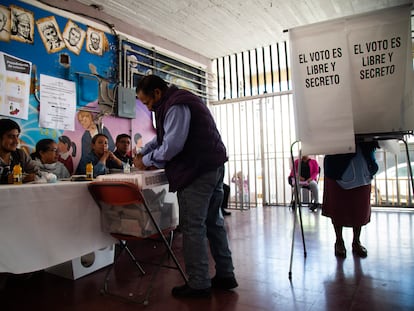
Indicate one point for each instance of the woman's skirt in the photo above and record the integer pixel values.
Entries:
(347, 208)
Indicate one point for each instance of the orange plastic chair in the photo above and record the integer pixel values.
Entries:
(121, 194)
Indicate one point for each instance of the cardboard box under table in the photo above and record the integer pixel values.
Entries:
(81, 266)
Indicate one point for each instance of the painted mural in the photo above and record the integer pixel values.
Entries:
(66, 49)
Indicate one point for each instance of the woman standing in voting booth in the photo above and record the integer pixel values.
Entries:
(347, 192)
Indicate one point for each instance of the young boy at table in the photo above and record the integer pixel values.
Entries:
(123, 148)
(10, 155)
(100, 156)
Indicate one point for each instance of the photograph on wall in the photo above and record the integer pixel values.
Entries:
(74, 36)
(95, 40)
(4, 23)
(50, 34)
(22, 24)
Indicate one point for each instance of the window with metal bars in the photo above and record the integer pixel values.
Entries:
(251, 73)
(137, 61)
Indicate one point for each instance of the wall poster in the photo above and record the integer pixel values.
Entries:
(14, 86)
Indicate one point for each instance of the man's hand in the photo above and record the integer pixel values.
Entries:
(138, 162)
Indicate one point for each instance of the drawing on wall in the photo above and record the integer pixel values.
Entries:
(95, 41)
(74, 36)
(139, 143)
(22, 24)
(33, 48)
(4, 23)
(91, 128)
(65, 145)
(50, 34)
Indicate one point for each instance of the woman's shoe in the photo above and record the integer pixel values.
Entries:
(359, 250)
(340, 250)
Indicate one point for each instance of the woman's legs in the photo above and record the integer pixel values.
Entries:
(340, 250)
(338, 233)
(357, 233)
(357, 248)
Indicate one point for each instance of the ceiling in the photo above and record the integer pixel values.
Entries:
(216, 28)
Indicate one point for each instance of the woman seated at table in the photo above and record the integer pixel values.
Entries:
(47, 157)
(101, 158)
(10, 155)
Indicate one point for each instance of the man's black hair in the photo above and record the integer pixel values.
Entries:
(120, 136)
(149, 83)
(8, 125)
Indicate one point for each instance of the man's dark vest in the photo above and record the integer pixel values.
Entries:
(203, 150)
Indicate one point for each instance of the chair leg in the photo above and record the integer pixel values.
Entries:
(123, 246)
(171, 238)
(144, 297)
(134, 259)
(153, 276)
(292, 200)
(170, 241)
(105, 290)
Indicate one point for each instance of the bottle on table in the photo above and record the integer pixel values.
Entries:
(89, 171)
(127, 168)
(17, 174)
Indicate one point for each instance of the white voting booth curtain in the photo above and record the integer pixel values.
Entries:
(352, 76)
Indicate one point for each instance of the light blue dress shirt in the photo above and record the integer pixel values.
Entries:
(176, 128)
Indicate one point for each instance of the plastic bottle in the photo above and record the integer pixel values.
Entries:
(89, 171)
(127, 168)
(17, 174)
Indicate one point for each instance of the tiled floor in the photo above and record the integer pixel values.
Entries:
(261, 240)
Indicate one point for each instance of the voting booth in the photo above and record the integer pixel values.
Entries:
(352, 81)
(352, 76)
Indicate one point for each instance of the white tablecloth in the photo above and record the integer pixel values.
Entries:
(46, 224)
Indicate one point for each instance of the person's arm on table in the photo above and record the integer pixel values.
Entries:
(176, 126)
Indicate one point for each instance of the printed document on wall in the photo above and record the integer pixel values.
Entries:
(15, 76)
(57, 103)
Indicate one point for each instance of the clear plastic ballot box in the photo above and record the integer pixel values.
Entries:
(134, 219)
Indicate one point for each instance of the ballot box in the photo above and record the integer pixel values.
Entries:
(134, 219)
